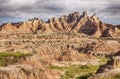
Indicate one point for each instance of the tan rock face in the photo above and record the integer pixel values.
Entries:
(110, 69)
(101, 47)
(60, 41)
(90, 25)
(74, 56)
(30, 26)
(111, 64)
(118, 26)
(28, 72)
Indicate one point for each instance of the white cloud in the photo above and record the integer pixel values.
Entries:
(50, 8)
(22, 2)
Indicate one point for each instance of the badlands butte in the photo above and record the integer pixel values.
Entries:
(74, 46)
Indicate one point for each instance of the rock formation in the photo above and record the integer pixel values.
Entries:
(65, 41)
(74, 22)
(110, 69)
(72, 55)
(28, 72)
(104, 48)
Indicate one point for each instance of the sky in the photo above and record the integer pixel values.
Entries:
(19, 10)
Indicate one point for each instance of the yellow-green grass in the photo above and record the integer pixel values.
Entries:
(10, 57)
(76, 71)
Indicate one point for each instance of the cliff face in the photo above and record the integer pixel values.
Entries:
(74, 22)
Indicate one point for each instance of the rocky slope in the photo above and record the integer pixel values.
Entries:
(58, 43)
(110, 69)
(102, 48)
(74, 22)
(28, 72)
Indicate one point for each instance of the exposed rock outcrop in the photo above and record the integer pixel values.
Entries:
(28, 72)
(74, 22)
(110, 69)
(72, 55)
(67, 40)
(30, 26)
(101, 48)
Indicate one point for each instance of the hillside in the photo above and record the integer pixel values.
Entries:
(74, 22)
(74, 46)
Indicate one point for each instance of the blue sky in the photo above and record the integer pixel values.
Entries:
(19, 10)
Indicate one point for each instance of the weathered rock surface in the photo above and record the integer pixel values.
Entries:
(28, 72)
(30, 26)
(110, 69)
(64, 41)
(73, 55)
(74, 22)
(102, 48)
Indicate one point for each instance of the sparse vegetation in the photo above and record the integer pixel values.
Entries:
(34, 52)
(116, 77)
(104, 59)
(77, 71)
(43, 36)
(10, 57)
(84, 76)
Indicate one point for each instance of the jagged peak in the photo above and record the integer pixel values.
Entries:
(95, 18)
(63, 16)
(84, 13)
(94, 14)
(75, 14)
(7, 23)
(55, 18)
(52, 19)
(118, 26)
(74, 21)
(35, 18)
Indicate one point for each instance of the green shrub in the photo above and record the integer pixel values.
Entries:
(116, 77)
(10, 57)
(15, 54)
(83, 71)
(2, 62)
(84, 67)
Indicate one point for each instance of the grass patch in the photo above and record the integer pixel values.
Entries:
(7, 58)
(15, 54)
(103, 60)
(84, 76)
(76, 71)
(44, 36)
(116, 77)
